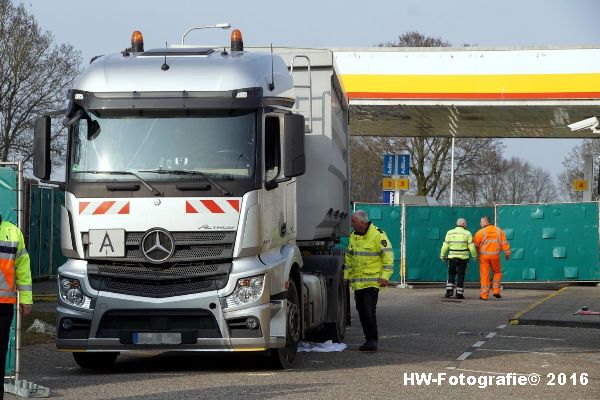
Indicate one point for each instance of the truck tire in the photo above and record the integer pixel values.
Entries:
(95, 360)
(284, 358)
(336, 331)
(334, 327)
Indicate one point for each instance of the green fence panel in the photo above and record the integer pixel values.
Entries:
(389, 219)
(8, 194)
(426, 229)
(555, 242)
(8, 210)
(549, 242)
(35, 223)
(44, 230)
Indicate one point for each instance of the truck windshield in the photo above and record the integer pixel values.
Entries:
(219, 145)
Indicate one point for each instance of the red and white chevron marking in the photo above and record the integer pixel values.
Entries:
(212, 206)
(103, 207)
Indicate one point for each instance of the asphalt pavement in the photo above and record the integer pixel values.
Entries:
(430, 348)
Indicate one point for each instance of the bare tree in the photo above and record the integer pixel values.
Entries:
(543, 189)
(416, 39)
(365, 174)
(573, 164)
(516, 179)
(34, 75)
(512, 181)
(482, 183)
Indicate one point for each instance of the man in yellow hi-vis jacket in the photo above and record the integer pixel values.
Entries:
(458, 243)
(369, 266)
(15, 274)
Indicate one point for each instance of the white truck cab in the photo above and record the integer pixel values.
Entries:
(201, 209)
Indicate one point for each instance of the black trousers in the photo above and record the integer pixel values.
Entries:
(6, 316)
(457, 268)
(366, 305)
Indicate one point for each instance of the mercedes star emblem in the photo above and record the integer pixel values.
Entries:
(157, 245)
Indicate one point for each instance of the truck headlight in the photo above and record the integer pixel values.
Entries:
(247, 290)
(72, 294)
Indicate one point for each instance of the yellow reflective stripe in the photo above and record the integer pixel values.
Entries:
(388, 267)
(27, 288)
(22, 252)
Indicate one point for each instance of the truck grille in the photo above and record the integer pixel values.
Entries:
(157, 287)
(201, 262)
(189, 246)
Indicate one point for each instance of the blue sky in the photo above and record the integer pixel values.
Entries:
(101, 27)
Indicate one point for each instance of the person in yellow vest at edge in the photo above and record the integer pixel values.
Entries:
(490, 241)
(369, 266)
(456, 248)
(16, 275)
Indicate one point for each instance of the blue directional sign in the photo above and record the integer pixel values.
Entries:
(389, 164)
(403, 164)
(388, 196)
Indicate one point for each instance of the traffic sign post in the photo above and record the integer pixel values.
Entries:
(403, 164)
(388, 197)
(389, 164)
(580, 185)
(396, 169)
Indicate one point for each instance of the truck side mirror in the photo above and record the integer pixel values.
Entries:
(295, 160)
(41, 148)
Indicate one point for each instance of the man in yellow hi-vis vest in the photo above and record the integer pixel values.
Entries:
(369, 266)
(457, 245)
(15, 274)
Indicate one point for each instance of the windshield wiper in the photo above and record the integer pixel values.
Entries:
(224, 191)
(149, 186)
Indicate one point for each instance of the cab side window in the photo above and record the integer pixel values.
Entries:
(272, 148)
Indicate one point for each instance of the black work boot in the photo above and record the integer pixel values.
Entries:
(498, 296)
(370, 345)
(449, 293)
(460, 296)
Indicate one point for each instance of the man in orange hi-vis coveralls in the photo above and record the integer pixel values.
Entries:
(490, 241)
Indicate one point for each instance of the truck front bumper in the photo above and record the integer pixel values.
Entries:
(199, 320)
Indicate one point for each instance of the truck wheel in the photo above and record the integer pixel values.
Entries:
(336, 331)
(284, 358)
(95, 360)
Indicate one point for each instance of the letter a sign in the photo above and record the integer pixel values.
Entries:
(107, 243)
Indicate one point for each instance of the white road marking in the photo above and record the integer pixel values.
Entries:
(528, 337)
(490, 335)
(464, 356)
(399, 336)
(479, 344)
(501, 326)
(517, 351)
